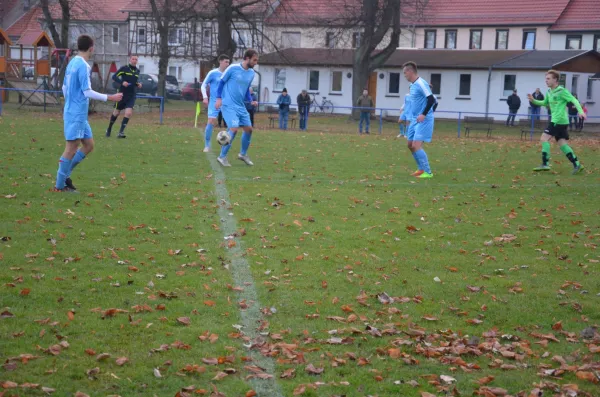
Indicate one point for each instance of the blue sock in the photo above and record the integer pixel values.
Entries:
(225, 149)
(78, 158)
(417, 160)
(246, 138)
(208, 134)
(424, 161)
(64, 167)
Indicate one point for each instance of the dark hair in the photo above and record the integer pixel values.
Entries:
(250, 53)
(411, 65)
(554, 74)
(222, 57)
(284, 90)
(84, 43)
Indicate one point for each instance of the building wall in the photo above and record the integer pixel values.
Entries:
(488, 40)
(558, 41)
(190, 69)
(450, 103)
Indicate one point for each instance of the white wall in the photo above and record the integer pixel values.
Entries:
(488, 38)
(190, 69)
(449, 102)
(558, 41)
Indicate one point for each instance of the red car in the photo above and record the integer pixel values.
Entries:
(191, 92)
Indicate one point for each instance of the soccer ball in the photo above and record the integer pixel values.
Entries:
(223, 138)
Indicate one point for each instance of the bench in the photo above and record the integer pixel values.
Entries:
(149, 103)
(479, 124)
(274, 116)
(538, 126)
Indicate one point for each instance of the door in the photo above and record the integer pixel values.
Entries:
(372, 87)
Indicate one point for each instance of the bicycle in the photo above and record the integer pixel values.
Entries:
(326, 106)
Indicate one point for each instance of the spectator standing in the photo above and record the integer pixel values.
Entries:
(250, 107)
(514, 103)
(284, 102)
(573, 115)
(365, 102)
(303, 101)
(535, 109)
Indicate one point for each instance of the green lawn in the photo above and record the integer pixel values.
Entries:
(492, 269)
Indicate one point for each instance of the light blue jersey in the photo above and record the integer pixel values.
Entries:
(76, 82)
(212, 82)
(406, 109)
(419, 91)
(234, 87)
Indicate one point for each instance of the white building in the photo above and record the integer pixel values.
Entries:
(463, 81)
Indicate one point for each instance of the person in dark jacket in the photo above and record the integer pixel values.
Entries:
(573, 115)
(303, 101)
(284, 101)
(535, 109)
(514, 103)
(127, 78)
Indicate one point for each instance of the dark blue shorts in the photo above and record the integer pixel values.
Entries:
(126, 103)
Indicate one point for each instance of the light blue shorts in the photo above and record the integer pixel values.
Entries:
(236, 117)
(423, 130)
(212, 112)
(77, 130)
(410, 131)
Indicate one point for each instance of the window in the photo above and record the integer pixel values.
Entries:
(430, 38)
(140, 68)
(529, 39)
(172, 70)
(330, 40)
(336, 82)
(279, 80)
(464, 88)
(590, 86)
(394, 83)
(510, 83)
(501, 39)
(436, 83)
(141, 36)
(562, 80)
(313, 80)
(573, 42)
(574, 84)
(356, 39)
(115, 35)
(206, 37)
(475, 40)
(176, 36)
(450, 41)
(242, 38)
(597, 42)
(290, 40)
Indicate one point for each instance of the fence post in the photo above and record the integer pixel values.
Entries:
(532, 126)
(44, 101)
(380, 121)
(459, 117)
(162, 108)
(1, 95)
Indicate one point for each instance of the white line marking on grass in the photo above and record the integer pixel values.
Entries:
(242, 276)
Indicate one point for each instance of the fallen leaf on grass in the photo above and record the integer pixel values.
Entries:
(102, 356)
(121, 361)
(314, 371)
(288, 373)
(25, 292)
(157, 373)
(183, 320)
(80, 394)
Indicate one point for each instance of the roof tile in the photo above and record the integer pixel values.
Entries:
(579, 15)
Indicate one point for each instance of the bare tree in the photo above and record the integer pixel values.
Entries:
(60, 40)
(379, 24)
(167, 15)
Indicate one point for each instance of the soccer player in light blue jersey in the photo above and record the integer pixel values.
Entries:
(404, 117)
(232, 94)
(212, 81)
(420, 130)
(77, 90)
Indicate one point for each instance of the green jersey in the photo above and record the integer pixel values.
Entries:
(557, 98)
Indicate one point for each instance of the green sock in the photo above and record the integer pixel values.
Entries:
(545, 153)
(566, 149)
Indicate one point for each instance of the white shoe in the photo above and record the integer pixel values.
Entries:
(223, 161)
(206, 149)
(245, 159)
(399, 136)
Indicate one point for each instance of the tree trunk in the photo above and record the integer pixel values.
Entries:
(60, 40)
(163, 62)
(360, 79)
(225, 17)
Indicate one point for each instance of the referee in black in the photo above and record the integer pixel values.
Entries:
(127, 77)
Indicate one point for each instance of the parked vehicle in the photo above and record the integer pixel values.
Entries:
(172, 80)
(191, 92)
(149, 85)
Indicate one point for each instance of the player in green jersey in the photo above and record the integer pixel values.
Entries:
(557, 98)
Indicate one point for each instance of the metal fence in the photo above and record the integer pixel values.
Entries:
(53, 101)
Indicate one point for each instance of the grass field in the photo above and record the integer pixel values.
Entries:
(481, 280)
